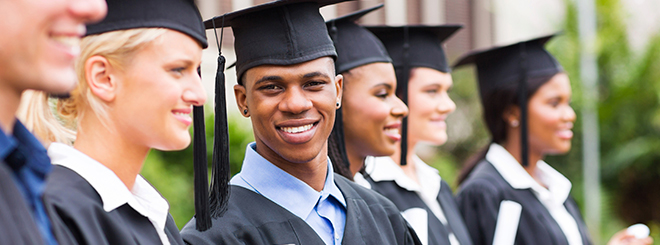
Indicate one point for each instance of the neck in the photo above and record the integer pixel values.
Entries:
(410, 169)
(107, 146)
(515, 149)
(312, 172)
(356, 160)
(10, 99)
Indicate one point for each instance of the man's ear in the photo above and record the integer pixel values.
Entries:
(241, 99)
(99, 78)
(339, 84)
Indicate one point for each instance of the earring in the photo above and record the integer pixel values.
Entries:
(337, 104)
(245, 111)
(515, 123)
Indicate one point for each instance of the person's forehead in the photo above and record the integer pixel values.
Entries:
(321, 66)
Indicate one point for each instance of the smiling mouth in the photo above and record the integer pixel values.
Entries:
(72, 43)
(298, 129)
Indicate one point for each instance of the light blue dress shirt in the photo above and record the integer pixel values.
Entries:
(324, 211)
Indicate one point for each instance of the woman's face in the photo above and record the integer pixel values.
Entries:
(40, 41)
(372, 113)
(156, 91)
(429, 105)
(551, 117)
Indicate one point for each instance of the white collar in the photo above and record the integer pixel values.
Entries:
(559, 187)
(143, 198)
(385, 169)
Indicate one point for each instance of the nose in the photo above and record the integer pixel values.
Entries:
(399, 109)
(570, 115)
(446, 105)
(195, 93)
(295, 101)
(87, 11)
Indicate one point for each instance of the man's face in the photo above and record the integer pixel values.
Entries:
(40, 41)
(292, 108)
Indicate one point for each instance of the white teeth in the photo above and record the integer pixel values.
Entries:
(72, 42)
(181, 114)
(295, 130)
(392, 130)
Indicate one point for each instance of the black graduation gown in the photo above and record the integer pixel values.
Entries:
(77, 213)
(479, 199)
(17, 226)
(437, 232)
(253, 219)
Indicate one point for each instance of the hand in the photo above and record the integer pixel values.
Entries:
(624, 238)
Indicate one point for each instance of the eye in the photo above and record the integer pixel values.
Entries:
(178, 70)
(314, 84)
(431, 91)
(382, 94)
(554, 102)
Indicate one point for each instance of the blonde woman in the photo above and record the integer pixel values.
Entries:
(138, 81)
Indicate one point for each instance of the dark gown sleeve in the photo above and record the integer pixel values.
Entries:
(479, 205)
(16, 223)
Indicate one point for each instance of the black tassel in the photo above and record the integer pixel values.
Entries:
(522, 99)
(337, 148)
(220, 168)
(404, 96)
(200, 171)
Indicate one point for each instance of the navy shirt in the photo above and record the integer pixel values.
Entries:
(29, 162)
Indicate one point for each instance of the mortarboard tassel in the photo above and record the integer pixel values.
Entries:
(522, 97)
(220, 168)
(404, 95)
(200, 170)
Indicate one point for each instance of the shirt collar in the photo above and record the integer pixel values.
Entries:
(143, 198)
(385, 169)
(559, 187)
(284, 189)
(37, 159)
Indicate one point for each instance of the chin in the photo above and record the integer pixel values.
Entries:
(59, 82)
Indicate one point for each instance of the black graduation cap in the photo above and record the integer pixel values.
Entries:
(283, 32)
(521, 62)
(414, 46)
(356, 46)
(179, 15)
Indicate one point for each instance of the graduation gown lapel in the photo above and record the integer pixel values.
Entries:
(78, 217)
(405, 200)
(454, 219)
(16, 223)
(479, 200)
(254, 219)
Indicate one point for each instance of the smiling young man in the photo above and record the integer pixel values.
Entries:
(286, 192)
(39, 44)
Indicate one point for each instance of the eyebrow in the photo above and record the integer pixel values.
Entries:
(315, 74)
(389, 86)
(268, 78)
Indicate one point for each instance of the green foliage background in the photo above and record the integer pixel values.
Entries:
(629, 118)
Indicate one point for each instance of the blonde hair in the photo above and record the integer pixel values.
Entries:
(36, 110)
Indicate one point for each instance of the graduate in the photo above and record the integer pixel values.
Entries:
(139, 80)
(286, 191)
(509, 195)
(369, 120)
(38, 50)
(425, 200)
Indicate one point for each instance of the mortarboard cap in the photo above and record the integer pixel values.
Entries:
(414, 46)
(284, 32)
(356, 46)
(502, 66)
(179, 15)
